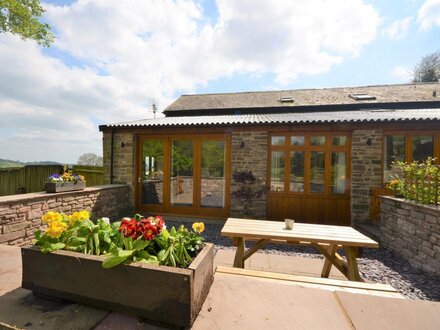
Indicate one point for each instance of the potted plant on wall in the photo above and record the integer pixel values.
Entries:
(136, 265)
(64, 182)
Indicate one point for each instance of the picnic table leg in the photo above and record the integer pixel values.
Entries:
(238, 260)
(328, 264)
(352, 266)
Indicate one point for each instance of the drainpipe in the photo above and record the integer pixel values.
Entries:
(111, 155)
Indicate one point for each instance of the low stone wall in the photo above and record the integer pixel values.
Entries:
(412, 231)
(20, 215)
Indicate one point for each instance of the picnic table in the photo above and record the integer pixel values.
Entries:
(325, 238)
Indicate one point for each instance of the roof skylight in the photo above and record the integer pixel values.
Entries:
(362, 97)
(286, 99)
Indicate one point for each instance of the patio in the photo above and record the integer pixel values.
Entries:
(245, 302)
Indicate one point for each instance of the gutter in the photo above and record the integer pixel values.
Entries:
(111, 155)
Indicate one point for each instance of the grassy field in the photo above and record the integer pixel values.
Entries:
(5, 163)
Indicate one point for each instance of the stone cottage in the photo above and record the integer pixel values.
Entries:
(313, 154)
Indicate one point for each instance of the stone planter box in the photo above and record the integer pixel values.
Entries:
(54, 187)
(160, 293)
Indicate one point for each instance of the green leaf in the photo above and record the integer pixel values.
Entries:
(143, 254)
(163, 255)
(140, 244)
(22, 18)
(138, 217)
(38, 235)
(96, 241)
(79, 248)
(113, 261)
(151, 260)
(165, 234)
(90, 245)
(115, 225)
(50, 247)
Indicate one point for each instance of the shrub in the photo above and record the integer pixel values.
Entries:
(419, 182)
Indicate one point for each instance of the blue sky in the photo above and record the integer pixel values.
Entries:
(110, 61)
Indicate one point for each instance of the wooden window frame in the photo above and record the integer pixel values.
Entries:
(408, 135)
(166, 206)
(328, 148)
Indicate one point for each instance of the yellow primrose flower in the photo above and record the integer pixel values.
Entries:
(56, 228)
(51, 216)
(198, 227)
(78, 216)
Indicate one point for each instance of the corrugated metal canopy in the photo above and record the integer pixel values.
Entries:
(330, 117)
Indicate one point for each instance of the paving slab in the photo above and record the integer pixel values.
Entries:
(369, 312)
(117, 321)
(20, 308)
(279, 264)
(236, 302)
(10, 268)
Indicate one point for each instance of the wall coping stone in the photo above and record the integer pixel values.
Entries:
(412, 203)
(43, 195)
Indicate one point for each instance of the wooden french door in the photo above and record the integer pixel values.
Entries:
(184, 175)
(309, 175)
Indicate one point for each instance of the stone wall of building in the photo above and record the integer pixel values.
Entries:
(124, 152)
(20, 215)
(412, 231)
(249, 153)
(366, 171)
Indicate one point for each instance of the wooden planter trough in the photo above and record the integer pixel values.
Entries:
(160, 293)
(54, 187)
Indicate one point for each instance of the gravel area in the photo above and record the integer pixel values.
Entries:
(375, 265)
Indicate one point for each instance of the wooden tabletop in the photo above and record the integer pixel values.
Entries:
(261, 229)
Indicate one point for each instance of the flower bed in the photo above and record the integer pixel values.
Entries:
(139, 252)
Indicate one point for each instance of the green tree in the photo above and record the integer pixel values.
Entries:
(21, 17)
(428, 69)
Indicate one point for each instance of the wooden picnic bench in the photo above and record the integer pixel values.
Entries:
(325, 238)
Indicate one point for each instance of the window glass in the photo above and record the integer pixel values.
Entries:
(339, 140)
(297, 171)
(277, 171)
(317, 171)
(152, 172)
(422, 147)
(338, 172)
(297, 140)
(394, 151)
(317, 140)
(182, 183)
(213, 174)
(278, 140)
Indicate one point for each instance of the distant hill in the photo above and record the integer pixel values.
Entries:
(15, 163)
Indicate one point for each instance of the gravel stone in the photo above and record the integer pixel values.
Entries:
(375, 265)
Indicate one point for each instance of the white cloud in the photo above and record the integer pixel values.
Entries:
(403, 74)
(398, 29)
(113, 59)
(429, 14)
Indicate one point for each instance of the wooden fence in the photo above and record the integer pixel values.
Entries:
(31, 178)
(26, 179)
(94, 175)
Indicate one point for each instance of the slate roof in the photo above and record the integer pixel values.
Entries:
(355, 116)
(305, 97)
